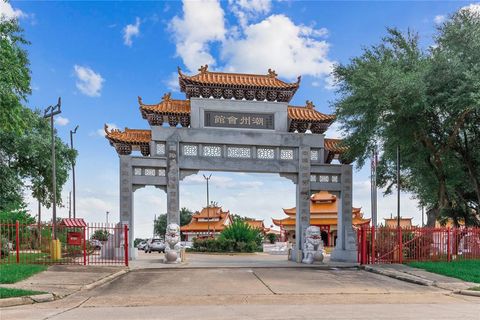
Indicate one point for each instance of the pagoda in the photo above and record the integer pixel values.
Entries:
(209, 222)
(323, 213)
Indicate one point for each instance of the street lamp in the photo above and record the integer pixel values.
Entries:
(208, 202)
(50, 112)
(72, 132)
(107, 216)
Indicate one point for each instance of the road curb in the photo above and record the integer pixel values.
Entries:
(104, 280)
(472, 293)
(400, 276)
(16, 301)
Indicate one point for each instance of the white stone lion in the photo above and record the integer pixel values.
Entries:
(313, 245)
(172, 245)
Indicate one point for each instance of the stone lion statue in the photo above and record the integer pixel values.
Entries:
(172, 245)
(312, 246)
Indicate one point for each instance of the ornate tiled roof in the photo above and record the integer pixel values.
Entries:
(199, 220)
(334, 145)
(166, 106)
(125, 141)
(261, 87)
(308, 113)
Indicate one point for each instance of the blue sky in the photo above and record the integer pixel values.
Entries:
(99, 56)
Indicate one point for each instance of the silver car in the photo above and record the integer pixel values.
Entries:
(155, 245)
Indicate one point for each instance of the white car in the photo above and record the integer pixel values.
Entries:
(155, 245)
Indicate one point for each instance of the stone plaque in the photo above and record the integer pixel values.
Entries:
(220, 119)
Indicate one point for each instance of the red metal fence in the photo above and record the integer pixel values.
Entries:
(398, 245)
(93, 244)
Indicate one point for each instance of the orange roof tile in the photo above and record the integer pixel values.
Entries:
(334, 145)
(204, 226)
(317, 221)
(257, 224)
(131, 136)
(323, 196)
(210, 212)
(308, 113)
(206, 77)
(167, 105)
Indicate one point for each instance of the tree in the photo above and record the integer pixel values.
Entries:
(25, 136)
(240, 231)
(160, 224)
(428, 104)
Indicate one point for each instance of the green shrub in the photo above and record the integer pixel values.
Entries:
(240, 231)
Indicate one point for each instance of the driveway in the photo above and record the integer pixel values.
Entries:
(254, 293)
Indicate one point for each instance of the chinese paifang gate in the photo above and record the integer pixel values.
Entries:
(238, 123)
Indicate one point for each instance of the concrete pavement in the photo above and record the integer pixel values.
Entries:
(254, 293)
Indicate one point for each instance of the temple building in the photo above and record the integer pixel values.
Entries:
(209, 222)
(392, 222)
(323, 213)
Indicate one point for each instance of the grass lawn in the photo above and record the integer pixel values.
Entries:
(475, 289)
(26, 257)
(10, 293)
(467, 270)
(11, 273)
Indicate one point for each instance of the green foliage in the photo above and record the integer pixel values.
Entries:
(137, 241)
(19, 214)
(426, 102)
(25, 136)
(100, 235)
(240, 231)
(12, 273)
(467, 270)
(160, 224)
(272, 237)
(12, 292)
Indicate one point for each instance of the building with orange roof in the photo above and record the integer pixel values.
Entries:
(323, 213)
(209, 222)
(392, 222)
(258, 224)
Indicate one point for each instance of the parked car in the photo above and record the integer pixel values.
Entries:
(142, 245)
(155, 245)
(96, 244)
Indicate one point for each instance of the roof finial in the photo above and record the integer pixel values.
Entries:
(310, 104)
(179, 70)
(299, 78)
(203, 69)
(140, 100)
(105, 127)
(272, 73)
(167, 96)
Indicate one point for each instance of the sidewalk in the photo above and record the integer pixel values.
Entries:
(420, 276)
(62, 280)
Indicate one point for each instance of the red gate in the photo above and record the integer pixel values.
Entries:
(77, 243)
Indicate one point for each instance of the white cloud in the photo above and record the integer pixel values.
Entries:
(439, 19)
(172, 82)
(473, 7)
(88, 81)
(130, 31)
(201, 24)
(298, 51)
(7, 12)
(101, 132)
(246, 10)
(61, 121)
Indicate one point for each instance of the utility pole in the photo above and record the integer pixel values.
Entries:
(373, 184)
(50, 112)
(72, 132)
(70, 205)
(398, 185)
(208, 202)
(423, 214)
(107, 217)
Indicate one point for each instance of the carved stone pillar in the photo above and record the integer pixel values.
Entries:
(303, 201)
(346, 247)
(126, 198)
(173, 180)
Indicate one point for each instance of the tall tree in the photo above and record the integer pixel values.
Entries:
(25, 136)
(425, 102)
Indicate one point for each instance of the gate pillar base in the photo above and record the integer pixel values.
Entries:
(344, 255)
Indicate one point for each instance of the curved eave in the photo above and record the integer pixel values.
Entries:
(309, 115)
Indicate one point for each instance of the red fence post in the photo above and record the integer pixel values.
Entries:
(126, 245)
(400, 245)
(17, 240)
(84, 247)
(449, 257)
(373, 244)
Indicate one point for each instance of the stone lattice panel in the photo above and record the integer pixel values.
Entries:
(149, 171)
(137, 171)
(161, 172)
(190, 150)
(335, 179)
(238, 152)
(160, 149)
(265, 153)
(313, 178)
(286, 154)
(212, 151)
(314, 155)
(323, 178)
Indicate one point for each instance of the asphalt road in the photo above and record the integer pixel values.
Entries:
(254, 293)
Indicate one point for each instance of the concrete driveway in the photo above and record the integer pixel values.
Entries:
(254, 293)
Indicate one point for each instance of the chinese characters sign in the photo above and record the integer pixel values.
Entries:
(239, 120)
